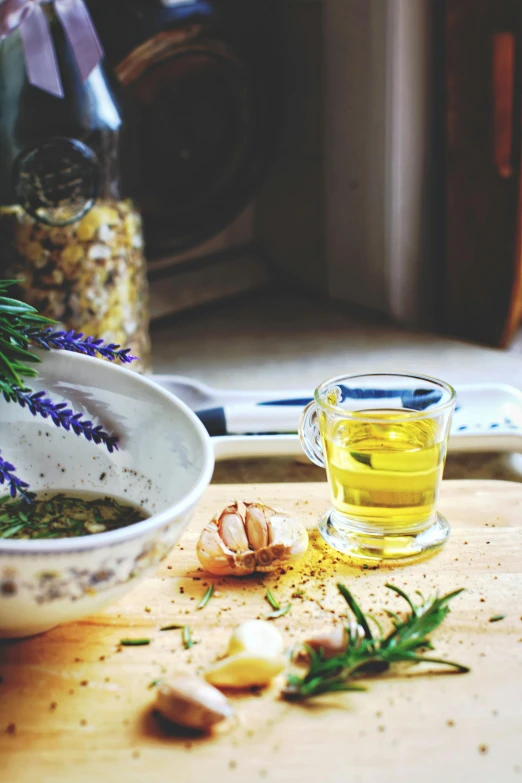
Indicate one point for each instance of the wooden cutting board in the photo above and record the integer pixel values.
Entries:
(75, 706)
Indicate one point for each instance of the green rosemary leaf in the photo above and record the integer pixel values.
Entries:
(393, 615)
(172, 628)
(206, 598)
(154, 683)
(449, 596)
(354, 606)
(134, 642)
(187, 638)
(12, 531)
(14, 307)
(271, 600)
(17, 350)
(496, 618)
(8, 283)
(10, 369)
(402, 594)
(279, 612)
(424, 659)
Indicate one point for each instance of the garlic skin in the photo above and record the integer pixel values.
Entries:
(261, 539)
(190, 701)
(258, 637)
(245, 670)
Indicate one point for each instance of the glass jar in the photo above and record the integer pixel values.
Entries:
(69, 233)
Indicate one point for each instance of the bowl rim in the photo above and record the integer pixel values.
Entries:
(137, 529)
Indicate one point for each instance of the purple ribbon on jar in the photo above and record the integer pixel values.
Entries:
(40, 57)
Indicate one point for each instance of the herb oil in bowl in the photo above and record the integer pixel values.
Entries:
(385, 471)
(65, 515)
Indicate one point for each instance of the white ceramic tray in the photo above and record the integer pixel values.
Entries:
(488, 417)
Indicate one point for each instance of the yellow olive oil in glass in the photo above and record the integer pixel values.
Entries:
(387, 471)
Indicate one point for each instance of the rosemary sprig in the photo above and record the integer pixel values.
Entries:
(367, 654)
(206, 598)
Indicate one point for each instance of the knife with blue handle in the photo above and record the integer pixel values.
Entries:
(282, 416)
(488, 416)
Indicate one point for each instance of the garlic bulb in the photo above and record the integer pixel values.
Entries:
(190, 701)
(259, 540)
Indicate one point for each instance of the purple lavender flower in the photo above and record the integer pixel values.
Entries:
(15, 485)
(78, 343)
(61, 416)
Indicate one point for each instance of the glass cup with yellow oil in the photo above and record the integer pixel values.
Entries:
(383, 441)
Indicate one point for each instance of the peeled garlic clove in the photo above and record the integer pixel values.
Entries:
(192, 702)
(332, 641)
(256, 524)
(245, 670)
(232, 529)
(256, 637)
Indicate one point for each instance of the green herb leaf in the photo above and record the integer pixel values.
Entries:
(206, 598)
(187, 638)
(171, 628)
(134, 642)
(496, 618)
(279, 612)
(354, 606)
(12, 530)
(271, 600)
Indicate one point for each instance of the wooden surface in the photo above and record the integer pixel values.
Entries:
(74, 706)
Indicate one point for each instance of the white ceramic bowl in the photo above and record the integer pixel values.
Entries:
(164, 463)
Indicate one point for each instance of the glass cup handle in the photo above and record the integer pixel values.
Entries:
(309, 435)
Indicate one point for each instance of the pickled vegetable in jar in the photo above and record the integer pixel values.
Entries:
(70, 233)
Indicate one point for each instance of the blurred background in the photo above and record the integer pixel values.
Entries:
(326, 186)
(363, 151)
